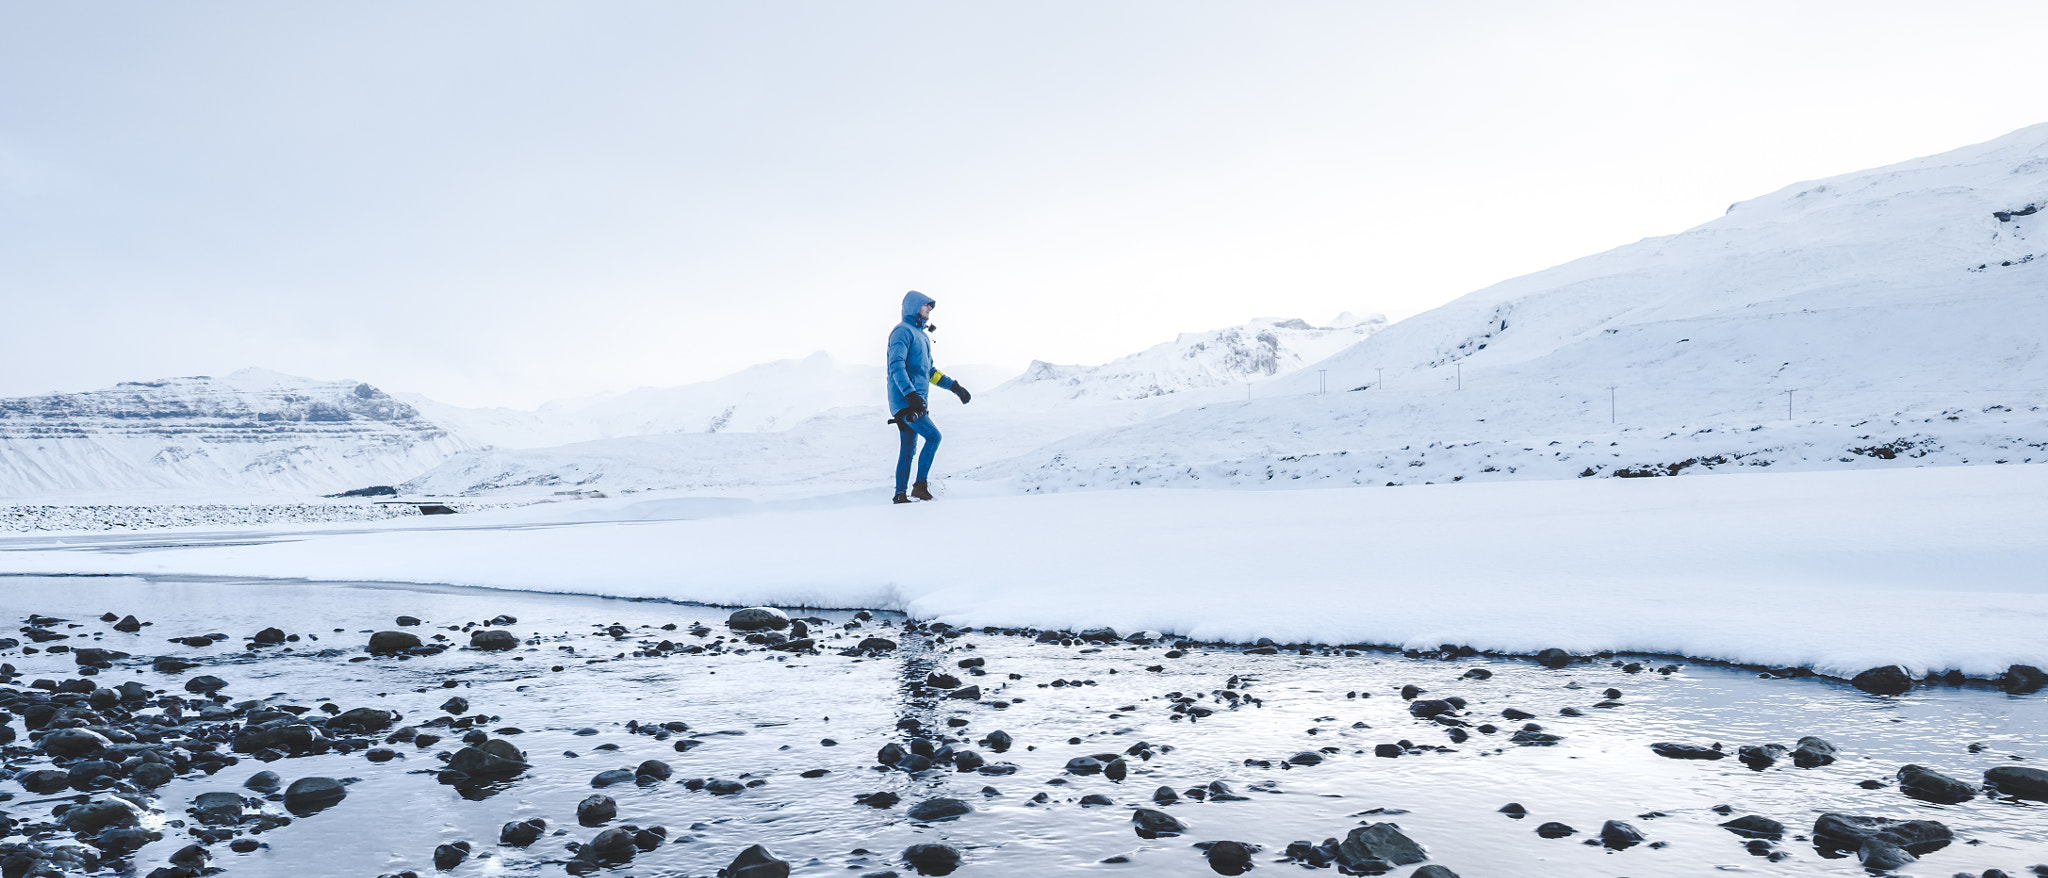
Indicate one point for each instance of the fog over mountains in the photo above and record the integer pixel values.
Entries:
(1880, 318)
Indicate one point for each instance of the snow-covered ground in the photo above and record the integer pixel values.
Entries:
(1932, 568)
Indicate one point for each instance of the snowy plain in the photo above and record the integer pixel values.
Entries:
(1932, 568)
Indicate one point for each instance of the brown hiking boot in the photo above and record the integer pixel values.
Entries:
(899, 498)
(918, 490)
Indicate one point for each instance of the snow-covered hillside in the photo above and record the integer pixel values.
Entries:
(1891, 317)
(1227, 357)
(252, 431)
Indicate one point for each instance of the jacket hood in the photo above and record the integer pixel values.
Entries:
(913, 301)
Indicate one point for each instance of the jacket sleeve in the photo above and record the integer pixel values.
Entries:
(943, 380)
(899, 362)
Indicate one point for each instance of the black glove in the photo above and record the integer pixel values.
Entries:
(960, 390)
(913, 408)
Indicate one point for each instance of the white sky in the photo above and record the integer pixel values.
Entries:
(506, 202)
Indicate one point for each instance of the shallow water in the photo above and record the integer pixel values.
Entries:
(762, 716)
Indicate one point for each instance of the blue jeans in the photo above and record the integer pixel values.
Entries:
(910, 432)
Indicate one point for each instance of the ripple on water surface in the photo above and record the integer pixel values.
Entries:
(760, 719)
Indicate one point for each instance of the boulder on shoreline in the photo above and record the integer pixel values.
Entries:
(393, 642)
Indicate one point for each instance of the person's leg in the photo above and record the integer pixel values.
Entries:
(903, 454)
(925, 428)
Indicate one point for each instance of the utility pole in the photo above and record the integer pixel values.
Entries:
(1788, 405)
(1461, 376)
(1610, 406)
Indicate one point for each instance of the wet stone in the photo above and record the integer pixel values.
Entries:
(393, 642)
(1922, 782)
(2019, 781)
(931, 810)
(310, 794)
(757, 862)
(1378, 841)
(596, 810)
(1153, 823)
(521, 833)
(932, 858)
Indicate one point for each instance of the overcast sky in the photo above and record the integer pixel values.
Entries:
(500, 203)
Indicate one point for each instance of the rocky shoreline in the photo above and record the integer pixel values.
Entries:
(93, 758)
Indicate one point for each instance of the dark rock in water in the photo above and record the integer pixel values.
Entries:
(2019, 781)
(1619, 835)
(1754, 826)
(95, 816)
(71, 743)
(205, 684)
(933, 810)
(1378, 841)
(150, 775)
(170, 664)
(1921, 782)
(884, 799)
(1165, 796)
(521, 833)
(932, 859)
(1555, 830)
(1517, 714)
(217, 808)
(1553, 658)
(877, 644)
(128, 625)
(1116, 769)
(1432, 871)
(1478, 674)
(408, 621)
(94, 773)
(1230, 857)
(191, 855)
(1686, 751)
(1100, 635)
(269, 637)
(1084, 765)
(938, 680)
(757, 862)
(1848, 832)
(2022, 679)
(1877, 853)
(1305, 757)
(362, 720)
(392, 642)
(1410, 691)
(1888, 680)
(457, 705)
(1813, 752)
(998, 741)
(970, 693)
(654, 768)
(448, 856)
(614, 776)
(757, 619)
(1154, 823)
(264, 782)
(309, 795)
(1097, 799)
(1533, 738)
(493, 640)
(124, 840)
(1759, 756)
(611, 847)
(495, 758)
(1429, 707)
(1386, 751)
(1514, 810)
(596, 809)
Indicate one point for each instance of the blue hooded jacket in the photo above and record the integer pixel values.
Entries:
(910, 357)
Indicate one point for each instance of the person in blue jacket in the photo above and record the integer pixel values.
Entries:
(910, 375)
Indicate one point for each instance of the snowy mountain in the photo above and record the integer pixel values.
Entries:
(1882, 318)
(764, 398)
(1228, 357)
(253, 431)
